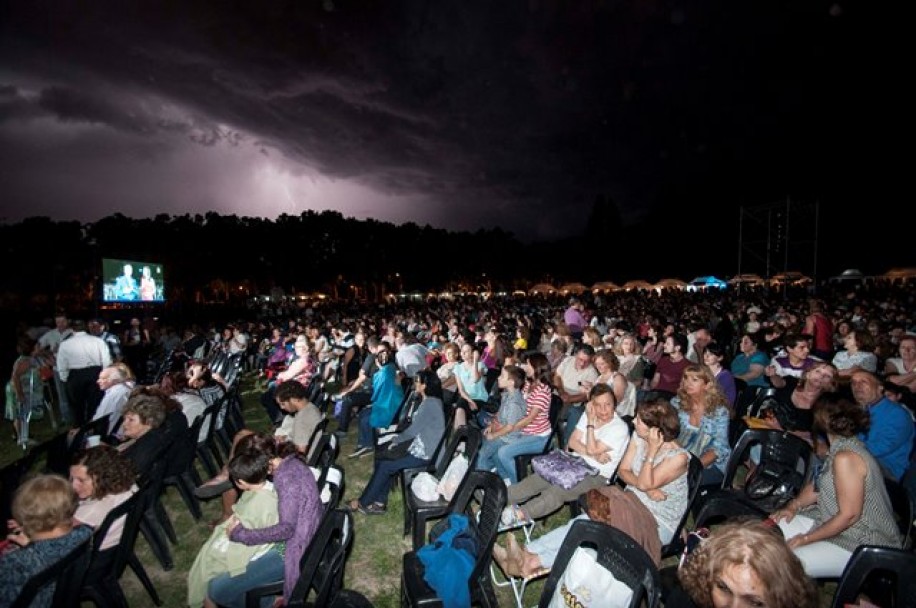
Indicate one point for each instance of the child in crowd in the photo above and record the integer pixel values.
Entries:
(220, 557)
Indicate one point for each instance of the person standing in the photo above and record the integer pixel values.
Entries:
(50, 341)
(574, 319)
(80, 359)
(820, 328)
(99, 327)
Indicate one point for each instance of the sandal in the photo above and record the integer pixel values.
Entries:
(513, 516)
(375, 508)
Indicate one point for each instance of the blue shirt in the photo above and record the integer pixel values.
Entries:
(742, 365)
(890, 436)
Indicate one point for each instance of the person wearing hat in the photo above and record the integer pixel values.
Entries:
(752, 325)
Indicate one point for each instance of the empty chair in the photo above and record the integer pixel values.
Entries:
(783, 469)
(616, 553)
(481, 498)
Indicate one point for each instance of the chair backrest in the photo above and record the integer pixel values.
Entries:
(132, 510)
(778, 450)
(211, 414)
(902, 504)
(616, 551)
(321, 575)
(325, 452)
(556, 406)
(886, 575)
(467, 435)
(488, 492)
(694, 476)
(68, 572)
(317, 432)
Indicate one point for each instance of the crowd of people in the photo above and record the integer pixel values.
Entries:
(643, 382)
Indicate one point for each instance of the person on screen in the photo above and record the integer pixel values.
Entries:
(126, 285)
(147, 285)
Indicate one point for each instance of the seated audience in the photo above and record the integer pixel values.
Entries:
(703, 411)
(44, 530)
(501, 431)
(412, 447)
(846, 505)
(890, 432)
(600, 439)
(743, 564)
(650, 508)
(299, 509)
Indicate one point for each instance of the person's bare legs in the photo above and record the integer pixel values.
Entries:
(460, 418)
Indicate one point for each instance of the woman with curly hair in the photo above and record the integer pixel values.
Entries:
(743, 564)
(847, 504)
(102, 479)
(703, 411)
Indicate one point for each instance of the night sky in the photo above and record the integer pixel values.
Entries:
(461, 114)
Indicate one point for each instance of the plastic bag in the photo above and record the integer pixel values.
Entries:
(453, 476)
(425, 487)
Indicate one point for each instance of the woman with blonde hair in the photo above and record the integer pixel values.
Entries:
(43, 528)
(744, 563)
(632, 366)
(703, 411)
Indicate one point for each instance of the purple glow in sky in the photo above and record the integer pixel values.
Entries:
(460, 114)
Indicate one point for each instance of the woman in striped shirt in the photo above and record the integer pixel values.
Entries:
(535, 426)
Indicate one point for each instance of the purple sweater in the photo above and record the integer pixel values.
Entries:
(299, 507)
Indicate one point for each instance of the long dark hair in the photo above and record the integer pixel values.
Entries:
(431, 381)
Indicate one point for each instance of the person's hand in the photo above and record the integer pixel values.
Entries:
(656, 495)
(587, 386)
(787, 512)
(603, 457)
(799, 540)
(231, 524)
(655, 438)
(590, 413)
(16, 535)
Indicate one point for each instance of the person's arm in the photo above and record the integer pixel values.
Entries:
(294, 369)
(849, 478)
(294, 488)
(754, 371)
(587, 443)
(720, 438)
(890, 434)
(625, 468)
(807, 497)
(652, 476)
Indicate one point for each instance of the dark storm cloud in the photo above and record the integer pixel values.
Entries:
(476, 113)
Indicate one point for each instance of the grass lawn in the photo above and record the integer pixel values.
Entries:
(373, 568)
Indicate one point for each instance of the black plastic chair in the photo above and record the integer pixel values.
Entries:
(887, 576)
(523, 461)
(185, 478)
(904, 510)
(318, 433)
(488, 492)
(102, 584)
(209, 451)
(694, 475)
(616, 551)
(68, 573)
(321, 576)
(407, 475)
(778, 449)
(417, 512)
(155, 524)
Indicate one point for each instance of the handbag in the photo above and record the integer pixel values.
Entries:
(562, 468)
(587, 583)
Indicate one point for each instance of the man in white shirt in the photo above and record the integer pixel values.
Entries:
(80, 359)
(116, 387)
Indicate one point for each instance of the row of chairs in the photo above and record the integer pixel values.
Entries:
(887, 576)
